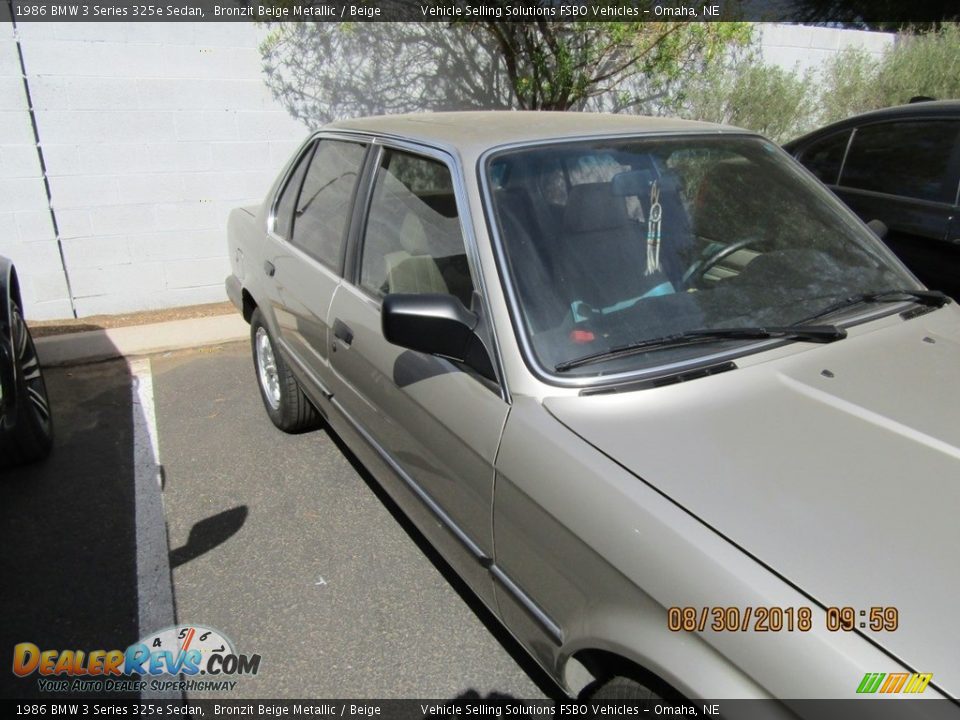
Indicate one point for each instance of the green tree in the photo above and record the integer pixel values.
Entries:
(328, 70)
(740, 89)
(564, 65)
(925, 63)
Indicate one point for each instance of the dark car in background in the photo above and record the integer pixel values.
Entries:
(26, 426)
(899, 165)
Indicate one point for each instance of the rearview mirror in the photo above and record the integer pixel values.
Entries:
(879, 228)
(432, 323)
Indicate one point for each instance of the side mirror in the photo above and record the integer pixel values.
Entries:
(436, 324)
(879, 228)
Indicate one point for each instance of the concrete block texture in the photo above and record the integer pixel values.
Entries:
(9, 62)
(150, 133)
(11, 91)
(19, 161)
(22, 194)
(15, 128)
(807, 47)
(34, 225)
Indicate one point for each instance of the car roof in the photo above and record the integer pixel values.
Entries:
(923, 108)
(480, 130)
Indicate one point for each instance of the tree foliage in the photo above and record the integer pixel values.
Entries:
(742, 90)
(323, 71)
(564, 65)
(918, 64)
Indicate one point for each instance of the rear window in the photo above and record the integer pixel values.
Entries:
(283, 213)
(323, 207)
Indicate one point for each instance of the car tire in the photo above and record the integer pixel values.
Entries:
(621, 689)
(285, 403)
(30, 436)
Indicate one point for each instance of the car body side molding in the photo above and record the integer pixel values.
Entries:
(479, 555)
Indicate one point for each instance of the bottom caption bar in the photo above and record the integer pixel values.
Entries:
(493, 706)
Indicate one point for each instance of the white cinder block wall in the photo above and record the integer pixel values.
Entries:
(806, 47)
(26, 230)
(151, 133)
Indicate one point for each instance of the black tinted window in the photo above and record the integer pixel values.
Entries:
(325, 201)
(413, 242)
(823, 157)
(283, 213)
(908, 158)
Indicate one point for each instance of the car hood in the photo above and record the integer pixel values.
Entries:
(838, 466)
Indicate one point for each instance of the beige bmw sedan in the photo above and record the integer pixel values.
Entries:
(678, 418)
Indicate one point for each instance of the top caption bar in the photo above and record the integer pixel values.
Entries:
(24, 11)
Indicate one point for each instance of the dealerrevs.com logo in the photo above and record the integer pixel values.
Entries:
(154, 662)
(894, 683)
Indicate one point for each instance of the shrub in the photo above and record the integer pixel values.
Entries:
(744, 91)
(916, 64)
(782, 104)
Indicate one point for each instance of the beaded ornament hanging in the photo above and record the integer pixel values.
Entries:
(653, 230)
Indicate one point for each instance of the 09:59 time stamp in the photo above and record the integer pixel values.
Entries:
(780, 619)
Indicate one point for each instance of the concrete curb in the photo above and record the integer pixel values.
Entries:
(92, 345)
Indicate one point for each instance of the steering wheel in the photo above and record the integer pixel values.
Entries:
(695, 272)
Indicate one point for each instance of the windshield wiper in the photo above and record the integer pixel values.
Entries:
(810, 333)
(933, 298)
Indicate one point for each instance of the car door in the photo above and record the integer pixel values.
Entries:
(903, 172)
(305, 245)
(436, 423)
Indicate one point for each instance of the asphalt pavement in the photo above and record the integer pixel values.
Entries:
(67, 530)
(281, 542)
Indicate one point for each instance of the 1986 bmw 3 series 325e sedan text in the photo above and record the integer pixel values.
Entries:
(672, 411)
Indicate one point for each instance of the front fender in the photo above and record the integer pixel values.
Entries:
(603, 556)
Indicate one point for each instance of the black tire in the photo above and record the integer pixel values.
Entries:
(623, 689)
(28, 435)
(288, 408)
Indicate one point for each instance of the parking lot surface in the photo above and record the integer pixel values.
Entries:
(281, 542)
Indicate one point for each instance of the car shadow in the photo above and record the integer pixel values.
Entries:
(68, 565)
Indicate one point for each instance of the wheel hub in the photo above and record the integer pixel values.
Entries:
(267, 369)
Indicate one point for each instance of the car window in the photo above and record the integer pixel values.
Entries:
(326, 199)
(413, 242)
(909, 158)
(824, 157)
(283, 211)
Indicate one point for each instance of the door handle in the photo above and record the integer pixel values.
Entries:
(342, 332)
(269, 268)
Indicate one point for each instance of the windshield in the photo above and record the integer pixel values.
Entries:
(613, 242)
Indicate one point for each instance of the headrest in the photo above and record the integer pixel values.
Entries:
(593, 207)
(633, 183)
(413, 236)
